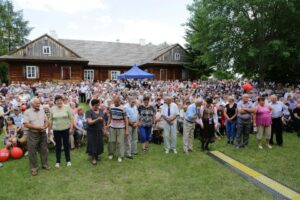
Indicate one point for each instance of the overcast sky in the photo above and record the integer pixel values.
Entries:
(155, 21)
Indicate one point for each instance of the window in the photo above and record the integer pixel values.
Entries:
(177, 56)
(46, 50)
(114, 75)
(31, 72)
(88, 75)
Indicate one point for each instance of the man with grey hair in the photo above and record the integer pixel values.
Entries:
(132, 138)
(244, 118)
(36, 121)
(191, 114)
(277, 126)
(170, 112)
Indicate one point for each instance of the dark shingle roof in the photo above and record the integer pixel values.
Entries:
(114, 53)
(47, 58)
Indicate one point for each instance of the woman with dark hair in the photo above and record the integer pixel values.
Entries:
(263, 121)
(209, 117)
(10, 133)
(94, 119)
(61, 121)
(146, 119)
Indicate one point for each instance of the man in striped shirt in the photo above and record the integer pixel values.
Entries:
(118, 127)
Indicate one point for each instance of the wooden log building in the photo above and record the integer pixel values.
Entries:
(49, 59)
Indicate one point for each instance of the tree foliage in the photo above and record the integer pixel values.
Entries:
(13, 32)
(256, 38)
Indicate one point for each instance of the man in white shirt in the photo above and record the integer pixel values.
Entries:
(170, 112)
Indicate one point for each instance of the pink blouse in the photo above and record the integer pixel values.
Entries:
(263, 116)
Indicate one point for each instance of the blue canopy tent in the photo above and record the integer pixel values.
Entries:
(135, 72)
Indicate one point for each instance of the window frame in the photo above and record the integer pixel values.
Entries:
(177, 56)
(31, 72)
(46, 48)
(85, 73)
(117, 73)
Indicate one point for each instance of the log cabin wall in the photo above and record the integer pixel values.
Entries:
(46, 72)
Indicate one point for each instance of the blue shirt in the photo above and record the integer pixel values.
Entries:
(18, 120)
(278, 109)
(132, 113)
(190, 112)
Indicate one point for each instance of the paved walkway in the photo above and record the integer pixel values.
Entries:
(278, 190)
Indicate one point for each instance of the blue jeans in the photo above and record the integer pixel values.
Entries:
(230, 129)
(145, 134)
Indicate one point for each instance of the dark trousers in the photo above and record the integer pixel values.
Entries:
(277, 130)
(58, 136)
(243, 131)
(37, 142)
(82, 98)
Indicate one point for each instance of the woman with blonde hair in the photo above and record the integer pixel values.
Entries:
(230, 113)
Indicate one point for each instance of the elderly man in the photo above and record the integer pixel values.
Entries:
(118, 127)
(170, 112)
(192, 113)
(244, 118)
(132, 138)
(36, 121)
(277, 127)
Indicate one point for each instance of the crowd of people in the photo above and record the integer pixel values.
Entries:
(69, 115)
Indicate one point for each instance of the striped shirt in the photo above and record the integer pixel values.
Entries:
(117, 115)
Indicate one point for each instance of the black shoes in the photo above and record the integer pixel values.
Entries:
(129, 157)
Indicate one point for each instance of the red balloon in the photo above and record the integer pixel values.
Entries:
(194, 85)
(247, 87)
(16, 152)
(23, 107)
(4, 155)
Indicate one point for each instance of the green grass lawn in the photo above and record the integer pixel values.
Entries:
(280, 163)
(154, 175)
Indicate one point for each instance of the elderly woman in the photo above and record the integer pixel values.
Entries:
(94, 119)
(61, 121)
(146, 119)
(263, 122)
(209, 123)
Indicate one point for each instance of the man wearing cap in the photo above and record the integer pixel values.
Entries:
(18, 119)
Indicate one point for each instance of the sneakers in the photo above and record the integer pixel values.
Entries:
(174, 151)
(69, 164)
(46, 167)
(26, 153)
(110, 157)
(269, 146)
(57, 165)
(260, 147)
(1, 165)
(119, 159)
(167, 151)
(34, 173)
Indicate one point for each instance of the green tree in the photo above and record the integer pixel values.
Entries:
(256, 38)
(13, 32)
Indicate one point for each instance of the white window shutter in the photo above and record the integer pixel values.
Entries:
(37, 72)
